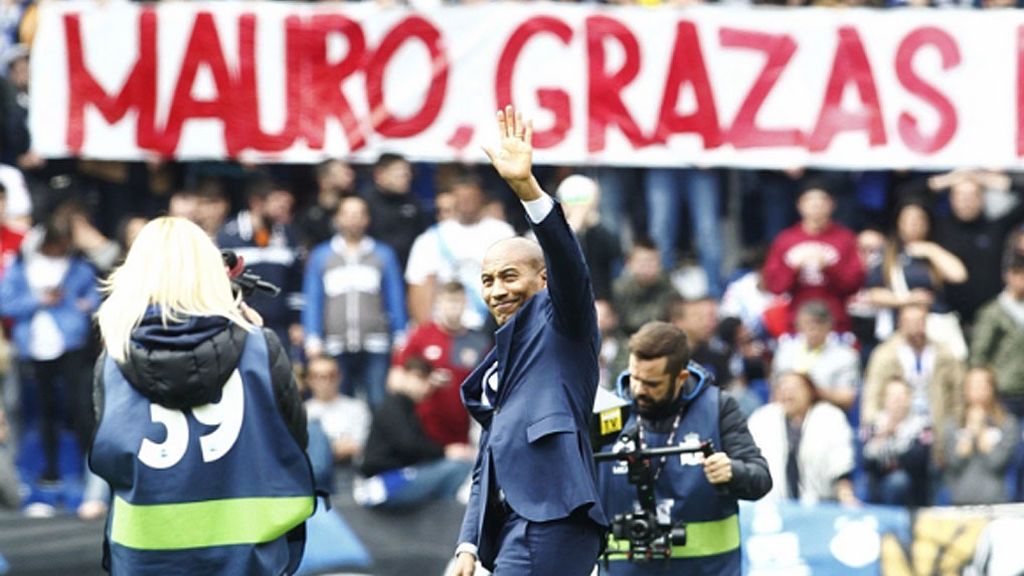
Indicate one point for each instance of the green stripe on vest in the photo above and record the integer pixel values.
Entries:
(205, 524)
(702, 539)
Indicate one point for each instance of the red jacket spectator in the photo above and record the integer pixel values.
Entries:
(815, 259)
(452, 352)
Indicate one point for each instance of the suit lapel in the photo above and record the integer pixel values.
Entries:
(472, 390)
(503, 345)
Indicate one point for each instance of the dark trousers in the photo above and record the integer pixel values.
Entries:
(74, 370)
(565, 547)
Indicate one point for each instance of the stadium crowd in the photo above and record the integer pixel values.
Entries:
(866, 321)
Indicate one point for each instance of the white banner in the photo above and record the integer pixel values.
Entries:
(698, 86)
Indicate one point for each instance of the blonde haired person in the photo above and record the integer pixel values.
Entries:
(201, 431)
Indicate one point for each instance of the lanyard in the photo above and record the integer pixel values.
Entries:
(671, 438)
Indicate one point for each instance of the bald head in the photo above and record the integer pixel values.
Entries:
(515, 249)
(512, 272)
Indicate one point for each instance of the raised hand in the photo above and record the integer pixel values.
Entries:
(513, 159)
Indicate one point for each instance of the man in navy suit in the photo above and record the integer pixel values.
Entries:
(534, 508)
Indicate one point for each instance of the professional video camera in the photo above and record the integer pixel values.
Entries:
(243, 280)
(648, 536)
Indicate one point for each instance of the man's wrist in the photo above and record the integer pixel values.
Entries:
(466, 548)
(526, 189)
(539, 208)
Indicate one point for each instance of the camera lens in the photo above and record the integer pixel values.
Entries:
(638, 528)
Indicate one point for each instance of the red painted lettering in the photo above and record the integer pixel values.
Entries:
(604, 99)
(248, 133)
(850, 67)
(553, 100)
(323, 92)
(687, 67)
(385, 122)
(203, 50)
(908, 124)
(138, 93)
(778, 49)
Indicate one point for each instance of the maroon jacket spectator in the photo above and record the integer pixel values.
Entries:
(815, 259)
(452, 351)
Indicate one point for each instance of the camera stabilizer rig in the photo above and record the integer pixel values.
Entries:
(647, 537)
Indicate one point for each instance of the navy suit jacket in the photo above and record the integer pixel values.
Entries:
(535, 445)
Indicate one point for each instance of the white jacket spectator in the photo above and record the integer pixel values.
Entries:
(808, 444)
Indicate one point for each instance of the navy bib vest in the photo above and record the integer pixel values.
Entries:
(712, 524)
(222, 488)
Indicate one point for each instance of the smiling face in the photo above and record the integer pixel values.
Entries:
(512, 272)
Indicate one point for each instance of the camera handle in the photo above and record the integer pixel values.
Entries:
(247, 282)
(639, 471)
(707, 447)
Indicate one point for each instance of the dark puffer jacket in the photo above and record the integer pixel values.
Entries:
(186, 364)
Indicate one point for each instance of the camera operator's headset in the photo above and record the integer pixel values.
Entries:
(704, 379)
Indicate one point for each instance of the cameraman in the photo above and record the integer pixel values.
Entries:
(201, 432)
(675, 402)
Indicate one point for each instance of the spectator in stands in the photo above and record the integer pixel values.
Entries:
(643, 292)
(402, 466)
(10, 237)
(10, 483)
(864, 314)
(263, 238)
(897, 450)
(212, 206)
(747, 364)
(335, 179)
(453, 249)
(102, 252)
(815, 259)
(699, 320)
(971, 236)
(930, 369)
(17, 135)
(183, 203)
(807, 442)
(613, 358)
(580, 197)
(397, 217)
(17, 210)
(453, 350)
(50, 294)
(128, 230)
(345, 421)
(998, 338)
(979, 443)
(832, 364)
(666, 189)
(915, 270)
(354, 302)
(746, 297)
(444, 206)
